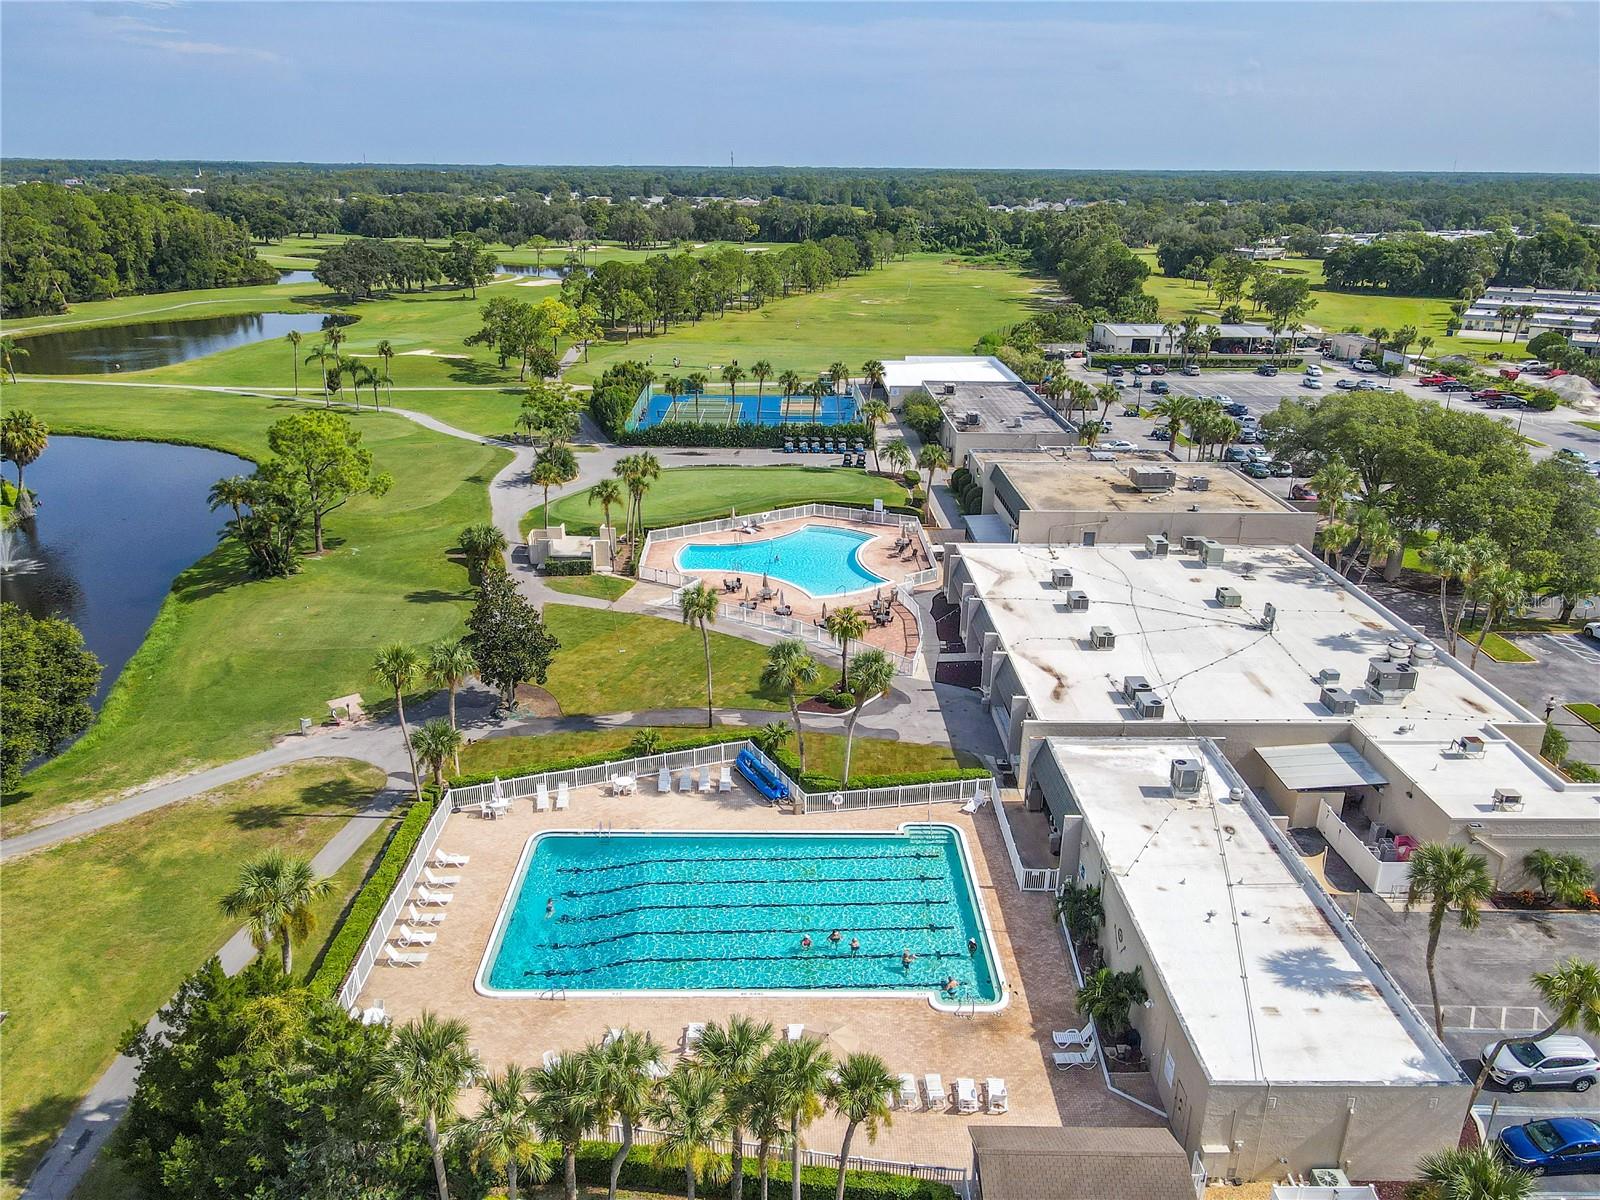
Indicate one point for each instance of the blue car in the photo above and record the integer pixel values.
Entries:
(1559, 1146)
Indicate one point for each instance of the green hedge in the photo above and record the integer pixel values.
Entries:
(690, 742)
(814, 781)
(741, 436)
(1231, 363)
(369, 902)
(567, 566)
(641, 1172)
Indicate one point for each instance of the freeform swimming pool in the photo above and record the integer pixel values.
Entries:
(822, 560)
(712, 912)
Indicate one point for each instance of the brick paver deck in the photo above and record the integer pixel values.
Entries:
(1013, 1043)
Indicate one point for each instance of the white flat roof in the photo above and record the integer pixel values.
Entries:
(1267, 989)
(921, 369)
(1210, 664)
(1321, 765)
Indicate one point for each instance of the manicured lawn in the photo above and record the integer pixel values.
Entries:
(824, 751)
(1497, 648)
(232, 662)
(604, 587)
(624, 662)
(98, 933)
(684, 494)
(1589, 713)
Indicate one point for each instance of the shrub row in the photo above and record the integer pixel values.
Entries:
(535, 767)
(567, 566)
(815, 781)
(742, 436)
(642, 1172)
(369, 902)
(1233, 362)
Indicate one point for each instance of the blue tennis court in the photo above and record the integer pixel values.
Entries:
(723, 409)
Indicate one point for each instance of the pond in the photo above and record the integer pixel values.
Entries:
(111, 348)
(530, 270)
(297, 277)
(116, 523)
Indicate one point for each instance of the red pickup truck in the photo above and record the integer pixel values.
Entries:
(1435, 380)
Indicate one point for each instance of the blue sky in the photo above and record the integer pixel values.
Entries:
(1427, 86)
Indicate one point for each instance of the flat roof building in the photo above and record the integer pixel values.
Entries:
(1120, 337)
(1276, 1042)
(996, 415)
(1034, 1162)
(1045, 496)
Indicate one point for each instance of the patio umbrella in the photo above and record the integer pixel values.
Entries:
(764, 582)
(845, 1040)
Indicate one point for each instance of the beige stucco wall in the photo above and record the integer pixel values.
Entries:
(1272, 528)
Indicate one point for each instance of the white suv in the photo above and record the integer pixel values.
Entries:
(1560, 1060)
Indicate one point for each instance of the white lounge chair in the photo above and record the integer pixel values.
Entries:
(417, 917)
(910, 1099)
(561, 797)
(705, 784)
(793, 1033)
(402, 958)
(664, 780)
(429, 896)
(407, 936)
(995, 1092)
(1067, 1038)
(438, 881)
(375, 1015)
(686, 780)
(551, 1058)
(541, 798)
(450, 860)
(611, 1036)
(966, 1095)
(656, 1069)
(725, 780)
(691, 1035)
(933, 1088)
(1065, 1060)
(488, 809)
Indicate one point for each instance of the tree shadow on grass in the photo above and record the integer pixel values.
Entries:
(336, 799)
(435, 596)
(29, 1132)
(471, 371)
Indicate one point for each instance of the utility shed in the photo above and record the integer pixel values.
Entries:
(1021, 1162)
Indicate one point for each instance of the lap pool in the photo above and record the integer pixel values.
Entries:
(727, 912)
(822, 560)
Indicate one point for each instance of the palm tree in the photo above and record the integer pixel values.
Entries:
(434, 742)
(1174, 410)
(695, 385)
(23, 438)
(1107, 395)
(933, 458)
(642, 470)
(872, 375)
(321, 355)
(1571, 993)
(898, 454)
(1446, 877)
(1472, 1173)
(1563, 877)
(673, 387)
(362, 376)
(730, 1054)
(605, 493)
(501, 1134)
(234, 491)
(1502, 591)
(761, 1104)
(689, 1109)
(565, 1106)
(1450, 560)
(790, 382)
(840, 375)
(557, 466)
(1107, 995)
(800, 1071)
(428, 1063)
(622, 1076)
(847, 625)
(450, 665)
(871, 674)
(789, 669)
(731, 374)
(1089, 433)
(385, 352)
(480, 543)
(293, 338)
(698, 604)
(273, 897)
(760, 372)
(817, 389)
(872, 412)
(860, 1091)
(1336, 537)
(398, 665)
(1333, 485)
(11, 353)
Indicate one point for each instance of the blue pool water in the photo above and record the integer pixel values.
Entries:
(821, 559)
(767, 409)
(697, 912)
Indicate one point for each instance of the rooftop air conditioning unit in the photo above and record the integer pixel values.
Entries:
(1229, 597)
(1153, 479)
(1328, 675)
(1212, 552)
(1132, 685)
(1148, 706)
(1077, 601)
(1269, 616)
(1016, 422)
(1199, 483)
(949, 389)
(1507, 800)
(1187, 775)
(972, 417)
(1337, 701)
(1061, 577)
(1155, 545)
(1424, 654)
(1101, 638)
(1391, 680)
(1191, 543)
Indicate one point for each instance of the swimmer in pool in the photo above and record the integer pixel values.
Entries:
(972, 945)
(907, 958)
(835, 937)
(805, 942)
(855, 944)
(550, 907)
(950, 985)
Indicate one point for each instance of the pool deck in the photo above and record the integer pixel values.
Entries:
(876, 555)
(1013, 1043)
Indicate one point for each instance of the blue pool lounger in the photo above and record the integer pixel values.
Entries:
(763, 780)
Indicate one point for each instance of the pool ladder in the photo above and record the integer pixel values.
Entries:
(604, 828)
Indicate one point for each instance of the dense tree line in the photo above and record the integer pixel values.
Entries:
(47, 676)
(63, 245)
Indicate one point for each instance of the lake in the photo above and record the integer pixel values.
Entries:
(297, 277)
(111, 348)
(116, 523)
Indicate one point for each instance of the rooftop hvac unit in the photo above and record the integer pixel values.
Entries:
(1132, 685)
(1329, 1177)
(972, 417)
(949, 389)
(1101, 638)
(1016, 422)
(1153, 479)
(1199, 483)
(1229, 597)
(1337, 701)
(1191, 543)
(1269, 616)
(1147, 706)
(1211, 552)
(1155, 545)
(1391, 680)
(1399, 651)
(1507, 800)
(1187, 775)
(1077, 601)
(1061, 577)
(1328, 675)
(1424, 654)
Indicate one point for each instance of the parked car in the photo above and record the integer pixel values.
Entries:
(1558, 1146)
(1160, 387)
(1300, 491)
(1313, 369)
(1454, 386)
(1142, 369)
(1113, 370)
(1346, 385)
(1362, 364)
(1191, 369)
(1266, 369)
(1592, 630)
(1115, 444)
(1157, 369)
(1506, 402)
(1561, 1060)
(1119, 381)
(1233, 408)
(1436, 379)
(1373, 385)
(1281, 470)
(1236, 454)
(1256, 469)
(1312, 382)
(1488, 394)
(1160, 433)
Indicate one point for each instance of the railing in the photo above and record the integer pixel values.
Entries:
(950, 791)
(956, 1177)
(808, 632)
(839, 512)
(361, 968)
(1029, 879)
(1481, 1018)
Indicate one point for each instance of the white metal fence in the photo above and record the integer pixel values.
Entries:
(810, 633)
(1029, 879)
(956, 1177)
(373, 946)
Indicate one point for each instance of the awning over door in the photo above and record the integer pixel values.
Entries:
(1321, 767)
